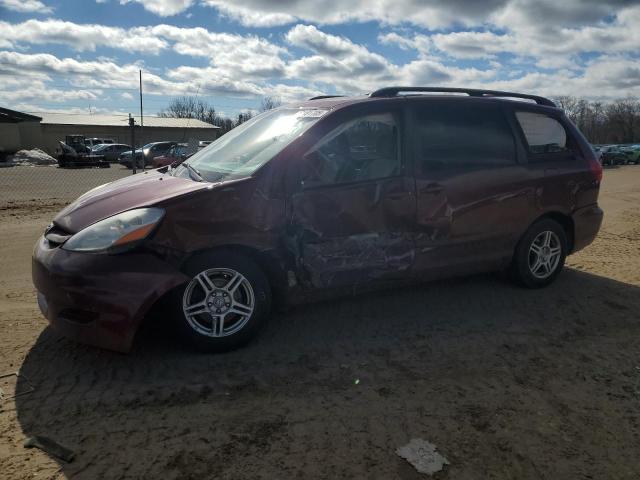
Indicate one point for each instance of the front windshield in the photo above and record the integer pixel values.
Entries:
(247, 147)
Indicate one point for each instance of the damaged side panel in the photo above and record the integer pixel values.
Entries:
(352, 234)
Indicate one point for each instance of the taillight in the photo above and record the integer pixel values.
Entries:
(596, 168)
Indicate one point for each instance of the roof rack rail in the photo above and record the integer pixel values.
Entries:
(320, 97)
(472, 92)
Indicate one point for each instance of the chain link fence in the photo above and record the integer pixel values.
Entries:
(49, 187)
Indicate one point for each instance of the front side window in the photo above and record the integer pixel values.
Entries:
(543, 133)
(246, 148)
(454, 136)
(364, 148)
(180, 150)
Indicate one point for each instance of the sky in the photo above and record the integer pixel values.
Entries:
(83, 56)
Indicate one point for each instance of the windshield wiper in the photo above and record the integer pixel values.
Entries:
(194, 171)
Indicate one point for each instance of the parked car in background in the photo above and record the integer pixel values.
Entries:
(327, 196)
(612, 155)
(146, 154)
(111, 151)
(175, 156)
(598, 151)
(632, 153)
(92, 142)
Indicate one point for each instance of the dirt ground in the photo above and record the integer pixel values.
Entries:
(508, 383)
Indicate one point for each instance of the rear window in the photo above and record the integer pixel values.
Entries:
(543, 133)
(462, 136)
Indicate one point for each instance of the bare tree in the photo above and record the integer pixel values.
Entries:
(615, 122)
(190, 107)
(269, 103)
(243, 117)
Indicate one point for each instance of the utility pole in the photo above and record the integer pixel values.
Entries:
(134, 160)
(141, 116)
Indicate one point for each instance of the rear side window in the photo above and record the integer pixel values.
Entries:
(544, 134)
(462, 136)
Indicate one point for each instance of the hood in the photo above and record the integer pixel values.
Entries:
(135, 191)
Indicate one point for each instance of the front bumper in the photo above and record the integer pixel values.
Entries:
(99, 299)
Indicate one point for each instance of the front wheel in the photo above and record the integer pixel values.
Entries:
(540, 254)
(224, 304)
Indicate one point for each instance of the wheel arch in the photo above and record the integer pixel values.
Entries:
(272, 267)
(268, 263)
(567, 224)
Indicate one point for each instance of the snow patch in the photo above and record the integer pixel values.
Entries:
(33, 157)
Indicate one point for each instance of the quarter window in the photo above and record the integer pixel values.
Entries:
(543, 133)
(462, 136)
(364, 148)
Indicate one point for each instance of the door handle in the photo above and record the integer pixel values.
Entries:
(399, 195)
(432, 188)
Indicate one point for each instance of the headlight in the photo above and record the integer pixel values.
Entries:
(120, 231)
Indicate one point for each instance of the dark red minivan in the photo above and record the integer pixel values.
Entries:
(328, 196)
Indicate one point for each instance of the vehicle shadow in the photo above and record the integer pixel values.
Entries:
(506, 381)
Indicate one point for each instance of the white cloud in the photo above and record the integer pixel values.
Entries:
(163, 8)
(80, 37)
(25, 6)
(393, 38)
(606, 78)
(550, 45)
(433, 14)
(473, 44)
(509, 40)
(232, 54)
(24, 78)
(337, 60)
(308, 36)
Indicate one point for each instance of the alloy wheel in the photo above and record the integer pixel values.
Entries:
(218, 302)
(544, 254)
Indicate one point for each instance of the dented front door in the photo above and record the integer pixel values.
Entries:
(352, 234)
(353, 218)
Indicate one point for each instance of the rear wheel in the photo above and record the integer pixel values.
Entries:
(224, 304)
(540, 254)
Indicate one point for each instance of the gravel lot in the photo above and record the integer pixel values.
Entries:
(508, 383)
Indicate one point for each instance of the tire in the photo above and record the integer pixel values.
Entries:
(525, 270)
(250, 292)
